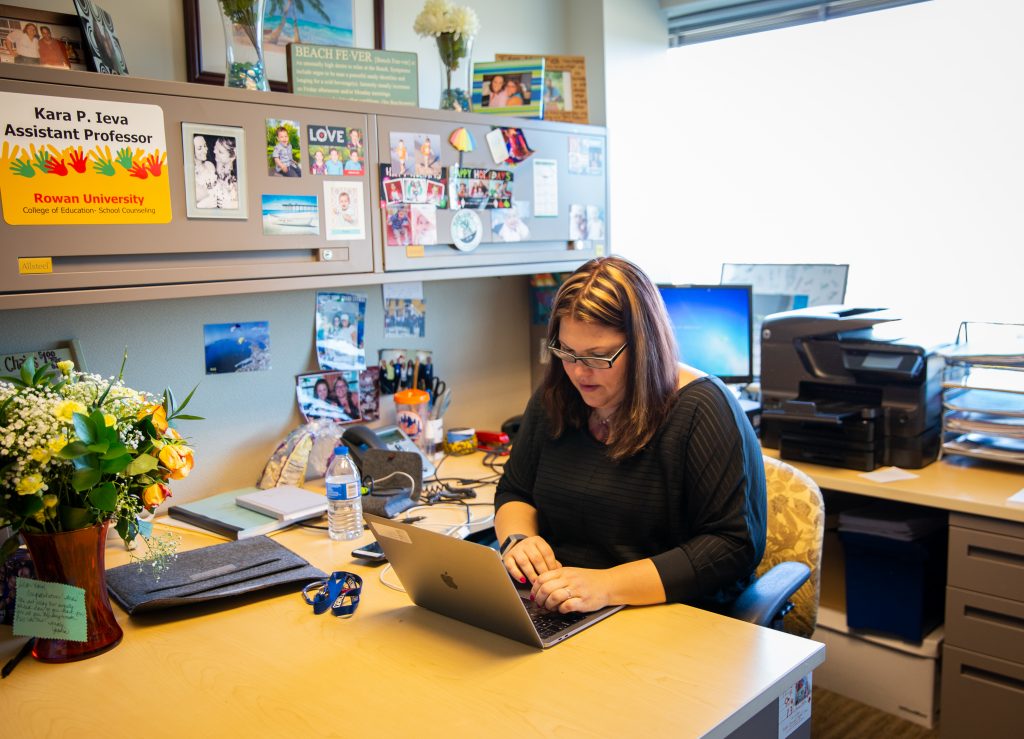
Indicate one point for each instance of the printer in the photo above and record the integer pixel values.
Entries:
(835, 391)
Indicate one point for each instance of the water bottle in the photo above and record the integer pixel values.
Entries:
(344, 501)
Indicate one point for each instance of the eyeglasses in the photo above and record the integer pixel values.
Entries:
(592, 362)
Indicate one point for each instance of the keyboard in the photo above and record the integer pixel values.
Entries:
(549, 623)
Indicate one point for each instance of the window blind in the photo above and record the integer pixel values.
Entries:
(696, 21)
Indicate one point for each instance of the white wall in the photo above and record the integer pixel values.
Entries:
(890, 140)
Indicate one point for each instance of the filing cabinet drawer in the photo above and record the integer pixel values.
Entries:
(986, 563)
(985, 624)
(981, 696)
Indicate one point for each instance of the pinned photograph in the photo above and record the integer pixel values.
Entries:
(508, 225)
(398, 225)
(513, 87)
(586, 155)
(343, 211)
(515, 143)
(332, 395)
(435, 194)
(214, 171)
(577, 222)
(237, 347)
(339, 330)
(334, 150)
(479, 188)
(290, 215)
(399, 369)
(404, 317)
(284, 153)
(424, 224)
(369, 394)
(467, 230)
(415, 190)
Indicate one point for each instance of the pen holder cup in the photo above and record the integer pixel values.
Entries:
(411, 411)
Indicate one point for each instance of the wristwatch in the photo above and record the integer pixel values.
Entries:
(511, 541)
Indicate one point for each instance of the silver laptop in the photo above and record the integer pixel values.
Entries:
(468, 582)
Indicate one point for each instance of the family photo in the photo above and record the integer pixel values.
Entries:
(333, 395)
(339, 330)
(42, 44)
(214, 171)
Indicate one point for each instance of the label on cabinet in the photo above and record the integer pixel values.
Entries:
(76, 161)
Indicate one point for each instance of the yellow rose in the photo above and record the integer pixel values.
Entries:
(57, 444)
(109, 419)
(29, 484)
(177, 459)
(65, 410)
(40, 455)
(155, 494)
(159, 416)
(50, 500)
(65, 367)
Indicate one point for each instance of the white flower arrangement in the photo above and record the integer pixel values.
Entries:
(443, 16)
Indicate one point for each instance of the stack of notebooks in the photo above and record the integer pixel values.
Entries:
(248, 512)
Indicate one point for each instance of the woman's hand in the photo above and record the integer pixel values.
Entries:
(567, 589)
(529, 558)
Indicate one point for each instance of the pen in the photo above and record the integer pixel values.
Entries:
(13, 662)
(412, 519)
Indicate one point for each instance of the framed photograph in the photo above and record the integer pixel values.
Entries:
(513, 87)
(565, 87)
(100, 39)
(328, 22)
(41, 38)
(214, 171)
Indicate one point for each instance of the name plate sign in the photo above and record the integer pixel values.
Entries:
(343, 73)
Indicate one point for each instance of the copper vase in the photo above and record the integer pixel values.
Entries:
(76, 558)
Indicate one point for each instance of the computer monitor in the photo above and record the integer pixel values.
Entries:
(712, 326)
(782, 287)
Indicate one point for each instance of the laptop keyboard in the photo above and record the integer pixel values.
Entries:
(549, 623)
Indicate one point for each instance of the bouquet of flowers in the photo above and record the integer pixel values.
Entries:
(77, 449)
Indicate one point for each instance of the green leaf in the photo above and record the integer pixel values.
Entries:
(104, 497)
(184, 417)
(141, 465)
(99, 447)
(178, 409)
(115, 465)
(116, 450)
(84, 428)
(8, 547)
(13, 380)
(28, 368)
(73, 450)
(85, 478)
(43, 372)
(75, 518)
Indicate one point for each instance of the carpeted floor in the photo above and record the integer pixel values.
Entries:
(835, 716)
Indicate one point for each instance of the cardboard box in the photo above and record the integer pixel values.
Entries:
(892, 675)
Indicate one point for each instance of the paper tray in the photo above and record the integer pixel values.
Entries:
(209, 573)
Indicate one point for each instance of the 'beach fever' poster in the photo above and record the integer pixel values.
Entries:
(72, 161)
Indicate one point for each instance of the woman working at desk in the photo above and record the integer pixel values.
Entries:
(633, 479)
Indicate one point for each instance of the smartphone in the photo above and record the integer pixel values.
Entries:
(371, 551)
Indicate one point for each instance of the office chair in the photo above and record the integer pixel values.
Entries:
(785, 594)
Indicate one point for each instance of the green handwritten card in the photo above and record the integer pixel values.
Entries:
(49, 610)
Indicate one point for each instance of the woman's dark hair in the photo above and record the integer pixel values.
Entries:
(615, 293)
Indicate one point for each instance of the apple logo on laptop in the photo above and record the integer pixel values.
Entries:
(449, 580)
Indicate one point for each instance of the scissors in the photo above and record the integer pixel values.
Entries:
(436, 387)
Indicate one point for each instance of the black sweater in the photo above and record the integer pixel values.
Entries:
(693, 500)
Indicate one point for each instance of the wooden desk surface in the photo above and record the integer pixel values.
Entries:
(953, 483)
(266, 666)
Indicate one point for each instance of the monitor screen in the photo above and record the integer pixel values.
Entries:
(782, 287)
(712, 326)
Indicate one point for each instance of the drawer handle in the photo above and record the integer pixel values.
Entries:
(995, 678)
(1001, 619)
(995, 555)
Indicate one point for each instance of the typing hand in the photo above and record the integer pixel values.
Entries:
(529, 558)
(568, 589)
